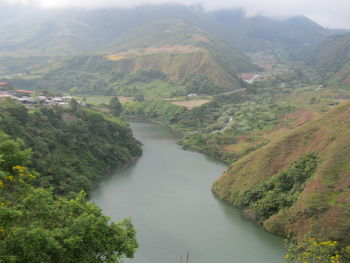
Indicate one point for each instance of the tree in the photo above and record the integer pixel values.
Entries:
(37, 226)
(139, 98)
(115, 106)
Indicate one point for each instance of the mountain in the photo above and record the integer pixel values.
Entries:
(298, 184)
(67, 31)
(176, 41)
(297, 35)
(332, 57)
(179, 50)
(175, 49)
(172, 47)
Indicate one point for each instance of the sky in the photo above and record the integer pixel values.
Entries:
(328, 13)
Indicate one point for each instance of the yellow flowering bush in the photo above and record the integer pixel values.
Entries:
(313, 251)
(22, 172)
(17, 177)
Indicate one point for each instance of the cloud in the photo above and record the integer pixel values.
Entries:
(329, 13)
(26, 2)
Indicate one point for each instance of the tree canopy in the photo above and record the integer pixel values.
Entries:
(38, 226)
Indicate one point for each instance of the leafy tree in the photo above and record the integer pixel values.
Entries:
(201, 84)
(37, 226)
(115, 106)
(139, 98)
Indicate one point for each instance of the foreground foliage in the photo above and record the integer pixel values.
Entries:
(314, 251)
(37, 226)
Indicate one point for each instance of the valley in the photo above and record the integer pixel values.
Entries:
(265, 99)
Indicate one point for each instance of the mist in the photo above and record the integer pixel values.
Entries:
(328, 13)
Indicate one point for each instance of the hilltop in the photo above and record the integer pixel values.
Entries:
(297, 184)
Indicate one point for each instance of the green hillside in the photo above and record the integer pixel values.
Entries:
(333, 53)
(38, 48)
(174, 49)
(297, 184)
(179, 50)
(332, 58)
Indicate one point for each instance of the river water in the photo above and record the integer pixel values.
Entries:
(167, 195)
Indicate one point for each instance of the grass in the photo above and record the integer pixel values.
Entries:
(95, 100)
(301, 98)
(190, 104)
(158, 89)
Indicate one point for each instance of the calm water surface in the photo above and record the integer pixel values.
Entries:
(167, 195)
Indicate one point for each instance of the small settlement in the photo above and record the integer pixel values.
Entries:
(29, 98)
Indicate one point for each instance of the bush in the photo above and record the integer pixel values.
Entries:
(280, 191)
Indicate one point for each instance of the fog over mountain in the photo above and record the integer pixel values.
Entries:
(331, 14)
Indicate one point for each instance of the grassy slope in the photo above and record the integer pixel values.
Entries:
(323, 208)
(176, 48)
(209, 56)
(333, 57)
(178, 67)
(333, 53)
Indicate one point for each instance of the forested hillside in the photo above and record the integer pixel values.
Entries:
(71, 147)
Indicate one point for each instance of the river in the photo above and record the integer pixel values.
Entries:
(167, 195)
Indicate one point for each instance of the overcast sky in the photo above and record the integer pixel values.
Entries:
(329, 13)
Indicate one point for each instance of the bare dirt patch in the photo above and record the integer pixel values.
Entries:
(172, 49)
(200, 38)
(300, 117)
(190, 103)
(123, 99)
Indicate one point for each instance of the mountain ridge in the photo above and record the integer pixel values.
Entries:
(99, 27)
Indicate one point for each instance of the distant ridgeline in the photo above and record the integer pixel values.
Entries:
(332, 59)
(71, 146)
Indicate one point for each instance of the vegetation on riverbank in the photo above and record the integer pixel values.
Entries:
(214, 126)
(72, 146)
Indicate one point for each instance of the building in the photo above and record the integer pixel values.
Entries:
(23, 93)
(5, 85)
(192, 96)
(250, 77)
